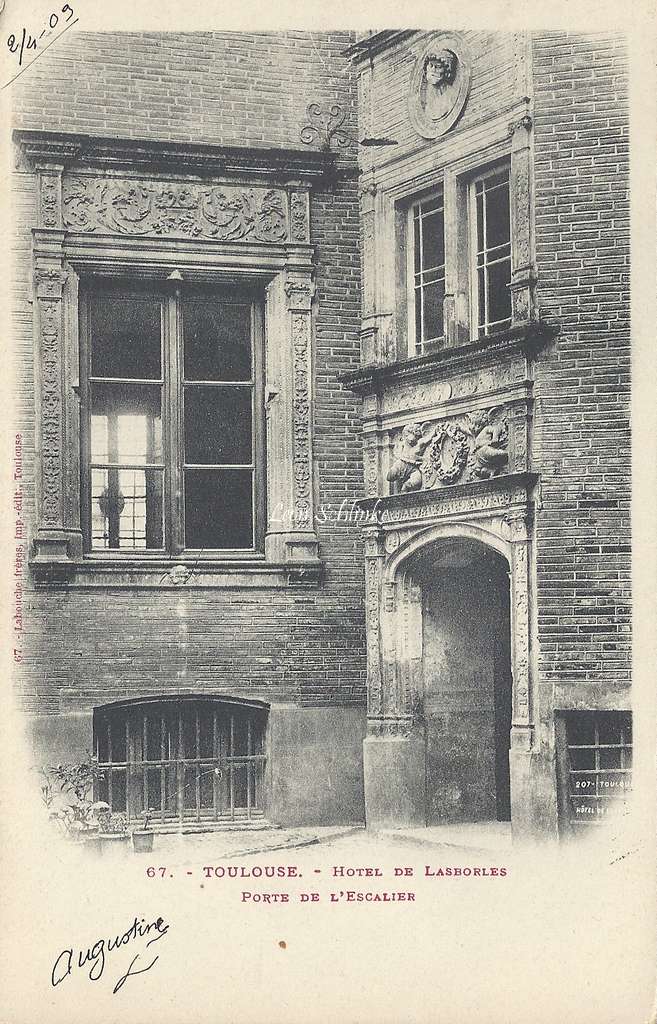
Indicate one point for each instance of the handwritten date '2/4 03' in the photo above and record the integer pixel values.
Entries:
(25, 43)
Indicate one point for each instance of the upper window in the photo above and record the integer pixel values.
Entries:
(476, 263)
(172, 421)
(490, 252)
(427, 274)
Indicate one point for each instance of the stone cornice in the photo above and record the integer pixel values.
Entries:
(68, 150)
(526, 341)
(369, 46)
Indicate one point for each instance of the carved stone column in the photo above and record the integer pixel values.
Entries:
(373, 574)
(291, 529)
(523, 273)
(522, 731)
(58, 540)
(369, 332)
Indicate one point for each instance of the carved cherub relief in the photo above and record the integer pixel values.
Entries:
(408, 452)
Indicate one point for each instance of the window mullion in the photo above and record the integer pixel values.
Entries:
(174, 421)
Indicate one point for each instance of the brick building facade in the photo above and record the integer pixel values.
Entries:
(279, 629)
(184, 177)
(495, 384)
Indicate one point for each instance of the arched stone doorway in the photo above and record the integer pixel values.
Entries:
(450, 693)
(466, 680)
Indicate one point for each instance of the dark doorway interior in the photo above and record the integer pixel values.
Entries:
(467, 682)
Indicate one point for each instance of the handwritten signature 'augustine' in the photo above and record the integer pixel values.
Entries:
(93, 958)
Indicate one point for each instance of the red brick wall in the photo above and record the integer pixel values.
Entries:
(230, 88)
(582, 434)
(303, 644)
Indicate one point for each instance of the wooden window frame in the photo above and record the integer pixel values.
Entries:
(413, 290)
(479, 330)
(172, 416)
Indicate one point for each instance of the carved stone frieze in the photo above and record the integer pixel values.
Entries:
(469, 447)
(399, 727)
(426, 394)
(174, 209)
(449, 506)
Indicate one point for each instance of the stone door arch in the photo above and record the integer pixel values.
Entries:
(395, 748)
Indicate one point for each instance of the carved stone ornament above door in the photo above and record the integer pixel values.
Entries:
(439, 85)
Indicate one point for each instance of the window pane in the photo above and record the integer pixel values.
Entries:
(433, 241)
(498, 228)
(126, 337)
(609, 729)
(218, 508)
(218, 428)
(217, 339)
(581, 730)
(582, 760)
(499, 296)
(610, 757)
(433, 311)
(126, 423)
(126, 508)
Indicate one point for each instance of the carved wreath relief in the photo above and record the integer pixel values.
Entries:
(219, 212)
(429, 455)
(439, 86)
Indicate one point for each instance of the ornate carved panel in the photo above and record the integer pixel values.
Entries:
(299, 219)
(175, 209)
(474, 446)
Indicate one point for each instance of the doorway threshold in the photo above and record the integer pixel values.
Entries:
(475, 836)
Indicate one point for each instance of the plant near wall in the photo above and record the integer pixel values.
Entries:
(66, 792)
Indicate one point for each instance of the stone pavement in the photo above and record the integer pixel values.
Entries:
(187, 849)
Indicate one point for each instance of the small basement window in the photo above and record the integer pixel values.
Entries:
(186, 760)
(595, 758)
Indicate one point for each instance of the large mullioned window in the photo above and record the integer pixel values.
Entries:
(172, 442)
(476, 263)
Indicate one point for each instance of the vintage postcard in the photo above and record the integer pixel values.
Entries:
(328, 504)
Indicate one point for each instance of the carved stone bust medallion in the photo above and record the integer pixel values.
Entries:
(439, 86)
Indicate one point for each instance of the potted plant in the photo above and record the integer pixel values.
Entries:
(142, 838)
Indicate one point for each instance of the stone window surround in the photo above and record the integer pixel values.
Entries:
(388, 193)
(283, 270)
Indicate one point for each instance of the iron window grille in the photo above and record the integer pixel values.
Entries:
(172, 420)
(190, 761)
